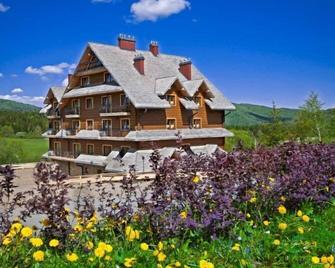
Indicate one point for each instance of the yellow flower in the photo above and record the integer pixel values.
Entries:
(99, 252)
(26, 232)
(108, 248)
(236, 247)
(159, 265)
(183, 215)
(54, 243)
(177, 264)
(248, 215)
(72, 257)
(253, 200)
(330, 259)
(78, 228)
(160, 245)
(137, 234)
(299, 213)
(131, 234)
(282, 226)
(89, 225)
(144, 246)
(6, 241)
(301, 230)
(196, 179)
(129, 262)
(89, 245)
(155, 253)
(38, 256)
(266, 223)
(161, 257)
(16, 227)
(324, 259)
(36, 242)
(108, 258)
(305, 218)
(315, 260)
(283, 198)
(276, 242)
(282, 210)
(45, 222)
(205, 264)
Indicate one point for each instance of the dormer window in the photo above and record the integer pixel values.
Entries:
(197, 100)
(171, 123)
(108, 78)
(171, 99)
(85, 81)
(196, 123)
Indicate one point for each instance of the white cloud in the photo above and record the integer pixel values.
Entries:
(34, 100)
(3, 8)
(17, 90)
(50, 69)
(65, 82)
(154, 9)
(102, 1)
(1, 74)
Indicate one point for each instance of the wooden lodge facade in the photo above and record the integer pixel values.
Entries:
(120, 102)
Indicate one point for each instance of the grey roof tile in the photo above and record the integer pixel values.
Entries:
(93, 90)
(95, 160)
(189, 104)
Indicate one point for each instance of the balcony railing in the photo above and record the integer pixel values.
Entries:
(72, 131)
(84, 66)
(53, 113)
(106, 109)
(66, 154)
(113, 132)
(51, 131)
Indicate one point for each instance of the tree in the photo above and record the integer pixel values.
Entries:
(10, 152)
(310, 121)
(6, 131)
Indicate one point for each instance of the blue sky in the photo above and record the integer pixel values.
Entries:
(254, 51)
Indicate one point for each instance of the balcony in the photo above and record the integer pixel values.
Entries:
(108, 110)
(53, 114)
(63, 155)
(113, 132)
(72, 131)
(72, 112)
(89, 67)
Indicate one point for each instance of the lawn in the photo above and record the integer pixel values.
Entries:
(32, 149)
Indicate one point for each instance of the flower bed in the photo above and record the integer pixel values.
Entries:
(242, 209)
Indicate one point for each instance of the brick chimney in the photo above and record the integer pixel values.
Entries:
(127, 42)
(139, 63)
(153, 47)
(185, 67)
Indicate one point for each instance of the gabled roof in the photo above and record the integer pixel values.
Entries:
(192, 86)
(58, 93)
(188, 104)
(94, 90)
(160, 71)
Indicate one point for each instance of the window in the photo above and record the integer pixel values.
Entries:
(54, 104)
(171, 99)
(89, 103)
(197, 100)
(76, 149)
(196, 123)
(57, 148)
(85, 81)
(76, 106)
(125, 124)
(89, 124)
(171, 123)
(108, 78)
(106, 104)
(56, 126)
(90, 149)
(124, 101)
(107, 127)
(75, 125)
(106, 149)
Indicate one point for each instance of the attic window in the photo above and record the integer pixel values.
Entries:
(171, 99)
(197, 100)
(85, 81)
(108, 78)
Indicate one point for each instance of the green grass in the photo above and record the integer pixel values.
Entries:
(32, 149)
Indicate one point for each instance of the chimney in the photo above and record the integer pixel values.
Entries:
(127, 42)
(153, 47)
(185, 67)
(139, 63)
